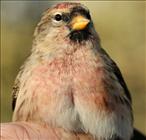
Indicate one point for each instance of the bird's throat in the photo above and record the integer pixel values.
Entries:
(80, 35)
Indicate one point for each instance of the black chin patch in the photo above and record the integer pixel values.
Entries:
(79, 35)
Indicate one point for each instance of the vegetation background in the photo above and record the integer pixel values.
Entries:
(120, 24)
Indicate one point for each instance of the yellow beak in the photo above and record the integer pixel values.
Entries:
(79, 23)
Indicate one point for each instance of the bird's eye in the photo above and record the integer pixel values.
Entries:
(58, 17)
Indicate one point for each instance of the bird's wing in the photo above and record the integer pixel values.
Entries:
(121, 80)
(114, 69)
(16, 87)
(15, 93)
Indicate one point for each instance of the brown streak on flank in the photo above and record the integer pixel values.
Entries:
(72, 97)
(19, 115)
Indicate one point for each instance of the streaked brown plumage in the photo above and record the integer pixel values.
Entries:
(69, 81)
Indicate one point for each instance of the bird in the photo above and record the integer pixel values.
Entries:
(69, 80)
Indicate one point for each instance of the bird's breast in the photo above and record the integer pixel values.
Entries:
(82, 69)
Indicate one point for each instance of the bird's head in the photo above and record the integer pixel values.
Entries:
(65, 22)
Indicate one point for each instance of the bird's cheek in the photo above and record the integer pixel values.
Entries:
(66, 29)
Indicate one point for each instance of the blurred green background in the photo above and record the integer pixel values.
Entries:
(121, 26)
